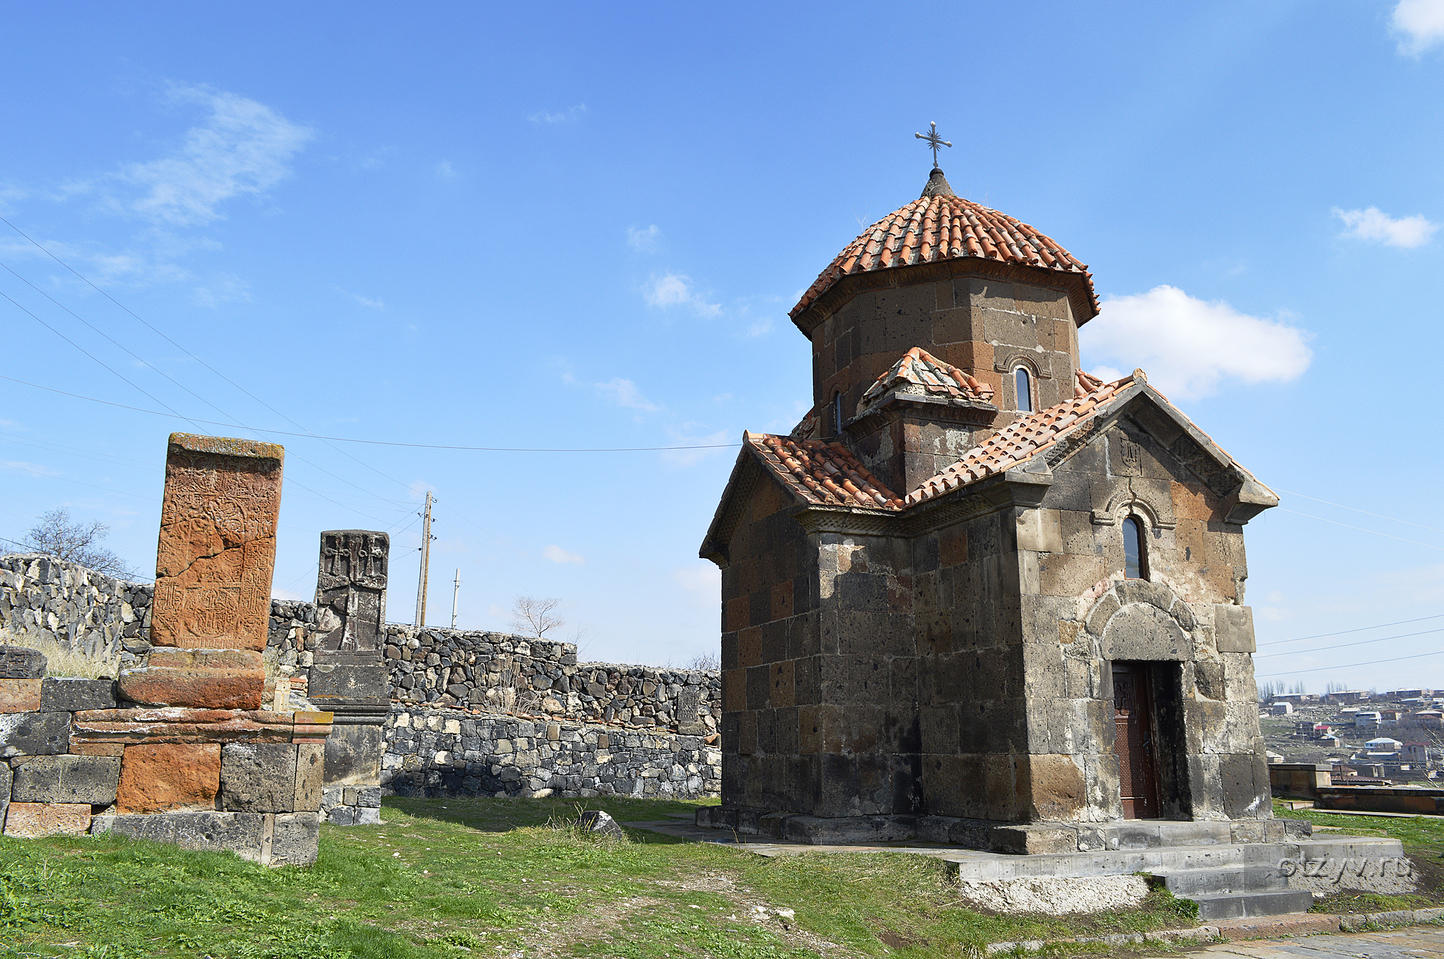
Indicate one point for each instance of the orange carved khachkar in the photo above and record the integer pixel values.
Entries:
(217, 543)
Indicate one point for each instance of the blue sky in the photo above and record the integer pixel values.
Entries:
(476, 226)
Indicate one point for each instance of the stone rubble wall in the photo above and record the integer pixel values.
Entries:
(43, 598)
(448, 752)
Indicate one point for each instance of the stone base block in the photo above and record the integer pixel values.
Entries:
(58, 693)
(260, 777)
(1038, 838)
(295, 838)
(67, 779)
(199, 678)
(34, 734)
(5, 780)
(31, 819)
(284, 839)
(169, 776)
(244, 834)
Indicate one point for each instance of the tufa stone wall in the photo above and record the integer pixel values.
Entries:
(446, 752)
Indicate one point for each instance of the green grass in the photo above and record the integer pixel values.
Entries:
(1423, 841)
(500, 878)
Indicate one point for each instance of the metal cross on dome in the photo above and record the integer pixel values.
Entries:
(934, 141)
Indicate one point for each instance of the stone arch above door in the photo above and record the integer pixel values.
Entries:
(1139, 620)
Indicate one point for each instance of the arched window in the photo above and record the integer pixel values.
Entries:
(1023, 384)
(1135, 551)
(836, 414)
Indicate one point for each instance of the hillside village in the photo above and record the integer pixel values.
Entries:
(1394, 737)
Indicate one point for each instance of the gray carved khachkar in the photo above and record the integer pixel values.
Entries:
(351, 584)
(348, 676)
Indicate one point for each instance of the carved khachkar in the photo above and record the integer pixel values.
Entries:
(18, 662)
(217, 543)
(348, 675)
(213, 575)
(351, 585)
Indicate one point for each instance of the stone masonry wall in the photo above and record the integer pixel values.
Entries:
(44, 598)
(80, 609)
(447, 752)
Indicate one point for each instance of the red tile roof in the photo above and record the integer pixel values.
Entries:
(823, 473)
(1025, 437)
(944, 227)
(919, 372)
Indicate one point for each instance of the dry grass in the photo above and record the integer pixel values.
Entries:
(62, 661)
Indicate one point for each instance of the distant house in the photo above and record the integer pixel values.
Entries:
(1409, 694)
(1390, 717)
(1414, 753)
(1348, 696)
(1366, 718)
(1281, 709)
(1383, 745)
(1429, 718)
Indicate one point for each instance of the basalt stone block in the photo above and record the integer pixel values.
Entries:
(19, 695)
(347, 683)
(353, 754)
(294, 838)
(310, 767)
(28, 820)
(201, 678)
(34, 734)
(169, 776)
(67, 779)
(217, 543)
(63, 693)
(259, 777)
(18, 662)
(244, 834)
(5, 780)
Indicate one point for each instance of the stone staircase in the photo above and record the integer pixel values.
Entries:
(1226, 879)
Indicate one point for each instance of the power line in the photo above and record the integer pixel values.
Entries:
(350, 439)
(1362, 529)
(1392, 519)
(1362, 642)
(1375, 662)
(1345, 632)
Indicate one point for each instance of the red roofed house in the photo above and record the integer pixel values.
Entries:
(978, 588)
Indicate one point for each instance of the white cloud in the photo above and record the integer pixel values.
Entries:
(625, 393)
(1374, 224)
(243, 147)
(364, 301)
(1187, 345)
(444, 168)
(675, 289)
(565, 116)
(34, 469)
(1421, 22)
(759, 328)
(558, 555)
(644, 240)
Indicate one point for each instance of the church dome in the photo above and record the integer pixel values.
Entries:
(940, 226)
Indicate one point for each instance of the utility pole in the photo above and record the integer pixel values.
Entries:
(425, 562)
(455, 589)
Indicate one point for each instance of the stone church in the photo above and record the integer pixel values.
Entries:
(979, 595)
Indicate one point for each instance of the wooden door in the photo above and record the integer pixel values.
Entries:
(1133, 719)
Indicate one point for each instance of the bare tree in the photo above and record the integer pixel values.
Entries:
(705, 661)
(76, 543)
(534, 616)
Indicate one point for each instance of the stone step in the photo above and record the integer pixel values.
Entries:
(1245, 905)
(1192, 883)
(996, 867)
